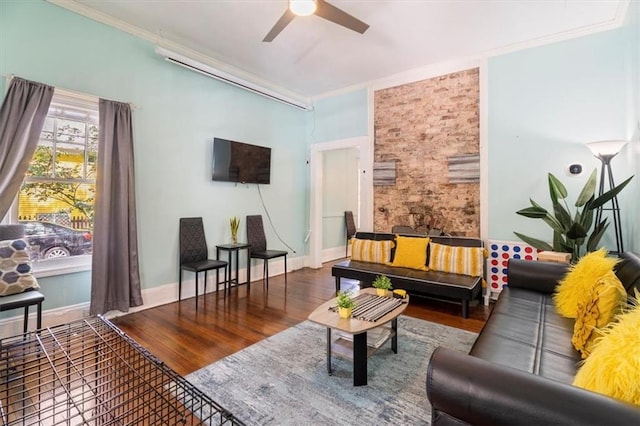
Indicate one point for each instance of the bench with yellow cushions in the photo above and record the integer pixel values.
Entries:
(442, 267)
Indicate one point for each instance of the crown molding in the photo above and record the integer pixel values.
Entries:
(460, 64)
(160, 41)
(385, 82)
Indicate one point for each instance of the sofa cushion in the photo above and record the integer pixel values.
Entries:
(371, 251)
(613, 367)
(15, 268)
(574, 287)
(525, 332)
(606, 299)
(457, 260)
(411, 252)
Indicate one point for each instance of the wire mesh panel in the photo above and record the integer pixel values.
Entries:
(90, 373)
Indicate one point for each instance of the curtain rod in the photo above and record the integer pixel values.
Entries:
(74, 93)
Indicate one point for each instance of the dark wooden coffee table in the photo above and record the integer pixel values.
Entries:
(352, 344)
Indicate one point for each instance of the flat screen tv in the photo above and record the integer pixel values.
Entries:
(240, 162)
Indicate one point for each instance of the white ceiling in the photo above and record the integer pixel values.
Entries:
(312, 56)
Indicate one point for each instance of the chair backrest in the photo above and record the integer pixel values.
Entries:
(403, 229)
(193, 244)
(255, 233)
(11, 232)
(350, 223)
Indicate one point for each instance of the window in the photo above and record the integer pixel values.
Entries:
(56, 200)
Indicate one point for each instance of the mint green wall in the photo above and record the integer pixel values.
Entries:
(545, 103)
(633, 222)
(178, 112)
(339, 117)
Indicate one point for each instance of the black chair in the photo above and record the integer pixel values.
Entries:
(258, 247)
(350, 225)
(194, 254)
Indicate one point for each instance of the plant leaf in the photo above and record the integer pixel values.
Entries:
(553, 223)
(556, 189)
(596, 235)
(558, 241)
(563, 216)
(533, 212)
(588, 190)
(607, 196)
(534, 242)
(576, 232)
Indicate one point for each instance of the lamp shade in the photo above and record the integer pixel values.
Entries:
(612, 147)
(302, 7)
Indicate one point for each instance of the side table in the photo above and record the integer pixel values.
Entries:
(232, 249)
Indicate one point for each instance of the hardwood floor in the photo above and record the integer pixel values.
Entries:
(186, 340)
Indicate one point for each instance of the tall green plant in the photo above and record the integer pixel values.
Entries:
(571, 230)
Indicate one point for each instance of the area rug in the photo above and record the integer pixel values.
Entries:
(283, 379)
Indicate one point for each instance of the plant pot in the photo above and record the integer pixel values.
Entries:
(234, 238)
(381, 292)
(344, 312)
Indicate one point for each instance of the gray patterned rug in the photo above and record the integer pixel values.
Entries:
(283, 379)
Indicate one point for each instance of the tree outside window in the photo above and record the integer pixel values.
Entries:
(59, 188)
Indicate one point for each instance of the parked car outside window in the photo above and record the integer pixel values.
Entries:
(51, 241)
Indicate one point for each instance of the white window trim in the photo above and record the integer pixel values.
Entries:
(67, 265)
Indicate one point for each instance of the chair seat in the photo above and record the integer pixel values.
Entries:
(268, 254)
(20, 300)
(204, 265)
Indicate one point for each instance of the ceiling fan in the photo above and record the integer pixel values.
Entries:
(319, 8)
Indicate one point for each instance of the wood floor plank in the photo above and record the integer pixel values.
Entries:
(187, 341)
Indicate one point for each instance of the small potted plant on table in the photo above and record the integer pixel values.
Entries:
(345, 304)
(383, 284)
(234, 224)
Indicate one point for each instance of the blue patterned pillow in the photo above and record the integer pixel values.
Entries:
(15, 268)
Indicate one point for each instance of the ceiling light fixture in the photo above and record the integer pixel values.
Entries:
(302, 7)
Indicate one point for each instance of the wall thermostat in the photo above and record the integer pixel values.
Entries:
(575, 169)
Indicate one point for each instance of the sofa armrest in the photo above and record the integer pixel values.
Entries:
(464, 389)
(534, 275)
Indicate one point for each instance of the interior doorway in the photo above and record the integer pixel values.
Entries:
(340, 180)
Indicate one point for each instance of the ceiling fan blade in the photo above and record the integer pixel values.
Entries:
(331, 13)
(284, 20)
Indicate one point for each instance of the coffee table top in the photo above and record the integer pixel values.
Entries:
(323, 316)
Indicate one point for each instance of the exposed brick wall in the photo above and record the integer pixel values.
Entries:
(420, 125)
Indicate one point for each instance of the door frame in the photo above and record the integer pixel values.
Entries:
(363, 144)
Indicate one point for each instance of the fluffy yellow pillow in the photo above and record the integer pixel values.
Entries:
(574, 288)
(457, 260)
(613, 368)
(607, 298)
(411, 252)
(371, 250)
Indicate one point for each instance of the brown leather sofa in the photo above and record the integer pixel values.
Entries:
(520, 369)
(434, 284)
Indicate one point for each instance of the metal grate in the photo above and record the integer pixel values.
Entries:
(89, 372)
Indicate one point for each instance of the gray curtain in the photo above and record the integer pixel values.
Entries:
(22, 116)
(115, 277)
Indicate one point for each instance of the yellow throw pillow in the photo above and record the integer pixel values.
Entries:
(371, 250)
(411, 252)
(574, 288)
(457, 260)
(613, 368)
(607, 298)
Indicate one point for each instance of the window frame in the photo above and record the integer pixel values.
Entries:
(71, 264)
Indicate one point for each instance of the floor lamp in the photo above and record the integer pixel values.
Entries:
(605, 151)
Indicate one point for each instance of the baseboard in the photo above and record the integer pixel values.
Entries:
(152, 297)
(333, 253)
